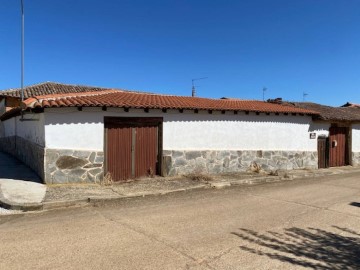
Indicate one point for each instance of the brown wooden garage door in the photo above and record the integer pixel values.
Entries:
(132, 147)
(337, 146)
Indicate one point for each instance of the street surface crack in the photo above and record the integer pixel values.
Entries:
(221, 254)
(304, 204)
(332, 185)
(154, 238)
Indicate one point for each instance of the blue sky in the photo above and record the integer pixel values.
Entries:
(290, 47)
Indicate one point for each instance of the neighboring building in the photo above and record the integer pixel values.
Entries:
(341, 144)
(78, 136)
(349, 104)
(12, 97)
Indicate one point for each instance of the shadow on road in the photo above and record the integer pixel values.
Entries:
(12, 168)
(355, 204)
(311, 247)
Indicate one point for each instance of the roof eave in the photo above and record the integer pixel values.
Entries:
(10, 114)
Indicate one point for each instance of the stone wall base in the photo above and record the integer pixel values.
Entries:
(356, 158)
(213, 162)
(73, 166)
(28, 152)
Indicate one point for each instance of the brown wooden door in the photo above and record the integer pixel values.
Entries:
(119, 152)
(337, 146)
(146, 151)
(132, 148)
(323, 160)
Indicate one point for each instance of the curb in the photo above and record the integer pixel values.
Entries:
(97, 201)
(64, 204)
(4, 203)
(25, 207)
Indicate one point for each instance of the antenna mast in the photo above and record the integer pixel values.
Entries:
(193, 90)
(304, 96)
(264, 90)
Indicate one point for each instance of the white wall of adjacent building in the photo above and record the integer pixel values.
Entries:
(2, 105)
(8, 127)
(33, 130)
(356, 138)
(67, 128)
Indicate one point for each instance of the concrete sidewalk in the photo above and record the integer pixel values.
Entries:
(58, 196)
(20, 187)
(21, 195)
(29, 196)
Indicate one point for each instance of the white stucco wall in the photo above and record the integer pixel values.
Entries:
(2, 130)
(70, 129)
(30, 130)
(321, 129)
(33, 130)
(2, 105)
(356, 138)
(9, 127)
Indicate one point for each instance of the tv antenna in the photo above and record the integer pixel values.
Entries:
(304, 96)
(264, 90)
(193, 90)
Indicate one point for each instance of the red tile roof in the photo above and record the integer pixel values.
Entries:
(350, 104)
(119, 99)
(49, 88)
(328, 113)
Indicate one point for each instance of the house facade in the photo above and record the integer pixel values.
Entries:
(84, 136)
(340, 145)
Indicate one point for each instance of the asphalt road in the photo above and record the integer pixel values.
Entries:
(302, 224)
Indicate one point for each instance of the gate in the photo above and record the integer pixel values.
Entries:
(323, 152)
(132, 147)
(337, 146)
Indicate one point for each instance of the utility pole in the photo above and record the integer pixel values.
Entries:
(22, 50)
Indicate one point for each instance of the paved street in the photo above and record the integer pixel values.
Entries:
(302, 224)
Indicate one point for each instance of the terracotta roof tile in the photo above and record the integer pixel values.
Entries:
(329, 113)
(350, 104)
(49, 88)
(114, 98)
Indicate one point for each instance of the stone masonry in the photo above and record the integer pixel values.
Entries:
(183, 162)
(73, 166)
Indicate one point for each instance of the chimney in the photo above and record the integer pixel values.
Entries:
(275, 100)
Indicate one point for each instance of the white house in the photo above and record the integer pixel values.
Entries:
(340, 146)
(79, 134)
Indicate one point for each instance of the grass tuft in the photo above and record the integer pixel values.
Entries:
(200, 177)
(107, 180)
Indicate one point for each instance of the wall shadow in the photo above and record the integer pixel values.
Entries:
(12, 168)
(311, 247)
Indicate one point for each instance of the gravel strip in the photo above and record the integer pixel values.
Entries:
(4, 211)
